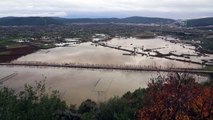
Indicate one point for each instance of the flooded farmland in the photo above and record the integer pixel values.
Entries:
(77, 85)
(94, 54)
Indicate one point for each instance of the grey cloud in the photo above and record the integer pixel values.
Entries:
(120, 8)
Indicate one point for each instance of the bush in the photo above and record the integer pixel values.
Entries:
(177, 97)
(32, 103)
(114, 109)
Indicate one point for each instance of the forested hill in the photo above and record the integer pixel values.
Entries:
(137, 20)
(200, 22)
(19, 21)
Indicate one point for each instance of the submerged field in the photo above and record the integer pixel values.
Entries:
(77, 85)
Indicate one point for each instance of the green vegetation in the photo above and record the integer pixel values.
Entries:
(209, 68)
(35, 104)
(207, 44)
(175, 97)
(19, 21)
(200, 22)
(8, 41)
(115, 109)
(30, 104)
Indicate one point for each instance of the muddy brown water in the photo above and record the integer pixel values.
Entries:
(77, 85)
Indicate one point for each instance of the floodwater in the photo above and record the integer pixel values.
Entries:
(163, 47)
(92, 54)
(77, 85)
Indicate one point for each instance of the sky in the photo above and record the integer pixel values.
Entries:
(176, 9)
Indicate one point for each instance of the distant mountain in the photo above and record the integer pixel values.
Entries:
(136, 20)
(200, 22)
(32, 21)
(147, 20)
(19, 21)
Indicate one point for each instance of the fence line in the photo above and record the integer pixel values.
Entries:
(107, 66)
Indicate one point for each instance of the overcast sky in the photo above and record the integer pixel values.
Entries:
(177, 9)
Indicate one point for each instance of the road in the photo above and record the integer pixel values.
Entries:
(108, 67)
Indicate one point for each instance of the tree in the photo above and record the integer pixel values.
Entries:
(115, 109)
(88, 109)
(32, 103)
(177, 97)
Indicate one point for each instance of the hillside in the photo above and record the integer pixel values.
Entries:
(147, 20)
(18, 21)
(136, 20)
(200, 22)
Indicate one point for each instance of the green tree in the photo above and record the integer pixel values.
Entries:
(115, 109)
(33, 103)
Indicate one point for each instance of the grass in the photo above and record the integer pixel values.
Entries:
(5, 42)
(11, 44)
(8, 41)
